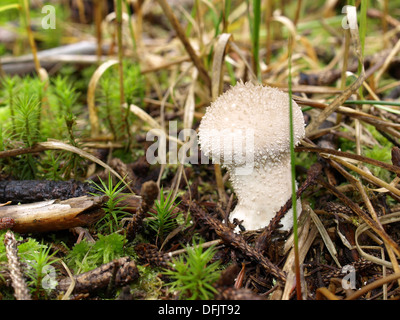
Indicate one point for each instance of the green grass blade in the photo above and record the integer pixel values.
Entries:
(292, 162)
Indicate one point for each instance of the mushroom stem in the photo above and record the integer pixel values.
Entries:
(256, 207)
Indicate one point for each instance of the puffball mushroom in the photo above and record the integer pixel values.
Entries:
(247, 131)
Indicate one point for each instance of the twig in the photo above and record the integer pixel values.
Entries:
(234, 240)
(122, 270)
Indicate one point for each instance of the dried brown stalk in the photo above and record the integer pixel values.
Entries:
(21, 291)
(149, 193)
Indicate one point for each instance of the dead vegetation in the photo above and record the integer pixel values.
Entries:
(346, 79)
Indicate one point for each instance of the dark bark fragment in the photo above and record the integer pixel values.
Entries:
(121, 271)
(26, 191)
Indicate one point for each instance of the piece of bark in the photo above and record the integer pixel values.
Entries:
(26, 191)
(118, 272)
(54, 215)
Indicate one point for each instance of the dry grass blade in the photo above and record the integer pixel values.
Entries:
(188, 117)
(67, 294)
(356, 209)
(373, 222)
(144, 116)
(376, 284)
(156, 127)
(289, 25)
(315, 123)
(327, 152)
(185, 41)
(242, 56)
(307, 235)
(91, 95)
(325, 293)
(389, 218)
(216, 89)
(58, 145)
(367, 175)
(190, 103)
(218, 64)
(324, 235)
(389, 58)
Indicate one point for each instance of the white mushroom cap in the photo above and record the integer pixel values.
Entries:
(248, 106)
(251, 123)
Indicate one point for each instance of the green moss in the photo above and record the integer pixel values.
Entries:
(193, 274)
(149, 285)
(86, 256)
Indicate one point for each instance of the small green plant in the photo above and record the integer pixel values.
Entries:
(9, 84)
(26, 118)
(41, 273)
(193, 275)
(65, 93)
(113, 212)
(119, 120)
(77, 258)
(26, 123)
(67, 98)
(106, 99)
(38, 259)
(86, 256)
(164, 220)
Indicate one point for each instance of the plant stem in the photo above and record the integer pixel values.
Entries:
(225, 15)
(268, 15)
(292, 162)
(131, 31)
(118, 7)
(382, 103)
(298, 10)
(255, 22)
(98, 10)
(27, 20)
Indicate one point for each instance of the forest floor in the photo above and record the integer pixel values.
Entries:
(90, 95)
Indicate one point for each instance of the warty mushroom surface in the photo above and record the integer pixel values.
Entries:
(247, 130)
